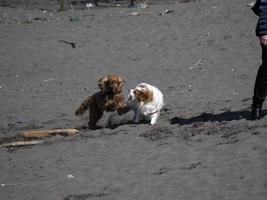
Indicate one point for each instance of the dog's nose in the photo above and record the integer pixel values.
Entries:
(129, 90)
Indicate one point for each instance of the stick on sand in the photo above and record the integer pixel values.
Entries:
(46, 133)
(22, 143)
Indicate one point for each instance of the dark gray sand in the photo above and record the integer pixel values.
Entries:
(203, 55)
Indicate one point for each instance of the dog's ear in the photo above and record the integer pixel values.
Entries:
(143, 95)
(102, 84)
(138, 95)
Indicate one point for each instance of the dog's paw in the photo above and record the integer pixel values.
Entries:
(123, 109)
(111, 107)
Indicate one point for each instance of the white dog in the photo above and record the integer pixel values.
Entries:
(146, 101)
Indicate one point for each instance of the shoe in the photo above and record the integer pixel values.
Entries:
(256, 112)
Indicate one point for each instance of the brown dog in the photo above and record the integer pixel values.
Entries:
(109, 99)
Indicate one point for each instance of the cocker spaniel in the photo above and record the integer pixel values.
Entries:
(109, 99)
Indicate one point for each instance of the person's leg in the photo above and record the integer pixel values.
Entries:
(260, 88)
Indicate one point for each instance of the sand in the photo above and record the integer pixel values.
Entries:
(203, 55)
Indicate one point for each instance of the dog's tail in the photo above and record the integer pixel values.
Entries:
(84, 106)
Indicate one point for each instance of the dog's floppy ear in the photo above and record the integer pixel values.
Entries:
(143, 95)
(102, 83)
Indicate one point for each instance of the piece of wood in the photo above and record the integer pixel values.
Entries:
(33, 134)
(21, 143)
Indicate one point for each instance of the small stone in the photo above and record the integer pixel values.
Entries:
(70, 176)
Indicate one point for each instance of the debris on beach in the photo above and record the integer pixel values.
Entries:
(34, 134)
(167, 11)
(21, 143)
(235, 93)
(48, 80)
(70, 176)
(26, 138)
(199, 62)
(73, 44)
(134, 13)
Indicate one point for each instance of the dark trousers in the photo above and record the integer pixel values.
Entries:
(260, 88)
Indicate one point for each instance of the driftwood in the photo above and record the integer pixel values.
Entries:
(21, 143)
(34, 134)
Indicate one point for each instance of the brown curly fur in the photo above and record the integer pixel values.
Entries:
(109, 99)
(110, 84)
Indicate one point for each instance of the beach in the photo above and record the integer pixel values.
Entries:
(203, 55)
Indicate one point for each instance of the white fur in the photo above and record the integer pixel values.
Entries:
(151, 110)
